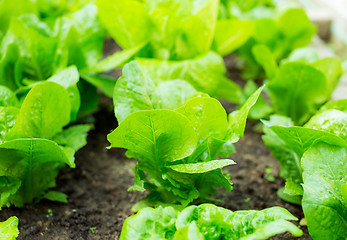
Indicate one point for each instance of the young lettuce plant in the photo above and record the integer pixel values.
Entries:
(34, 50)
(179, 47)
(33, 144)
(288, 143)
(207, 221)
(300, 85)
(245, 24)
(9, 229)
(176, 149)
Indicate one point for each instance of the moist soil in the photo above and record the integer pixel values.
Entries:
(98, 201)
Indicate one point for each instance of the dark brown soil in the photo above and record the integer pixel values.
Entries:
(98, 197)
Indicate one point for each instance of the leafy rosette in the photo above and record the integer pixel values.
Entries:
(33, 144)
(176, 145)
(208, 221)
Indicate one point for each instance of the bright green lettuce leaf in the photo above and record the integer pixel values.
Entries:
(306, 54)
(113, 61)
(299, 139)
(73, 137)
(332, 121)
(208, 221)
(297, 90)
(38, 48)
(68, 78)
(186, 32)
(8, 117)
(89, 98)
(126, 21)
(81, 35)
(205, 73)
(150, 223)
(324, 171)
(9, 229)
(103, 82)
(261, 108)
(8, 187)
(237, 119)
(340, 105)
(135, 91)
(202, 167)
(332, 69)
(208, 117)
(264, 57)
(35, 162)
(44, 112)
(296, 26)
(190, 232)
(231, 34)
(10, 9)
(216, 222)
(156, 135)
(10, 67)
(7, 97)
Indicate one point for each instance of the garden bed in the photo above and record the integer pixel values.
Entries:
(98, 197)
(97, 187)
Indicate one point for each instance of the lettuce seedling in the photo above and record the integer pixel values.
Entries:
(9, 229)
(208, 221)
(288, 143)
(35, 49)
(176, 148)
(33, 144)
(300, 85)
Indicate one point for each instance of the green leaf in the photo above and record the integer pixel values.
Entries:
(332, 121)
(296, 26)
(264, 58)
(297, 90)
(126, 21)
(82, 36)
(55, 196)
(10, 67)
(7, 98)
(103, 82)
(216, 222)
(237, 119)
(134, 91)
(150, 223)
(44, 112)
(9, 229)
(68, 78)
(207, 116)
(202, 167)
(208, 221)
(113, 61)
(332, 69)
(205, 73)
(230, 34)
(74, 137)
(35, 162)
(340, 105)
(325, 209)
(300, 139)
(8, 117)
(190, 232)
(173, 94)
(8, 186)
(156, 136)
